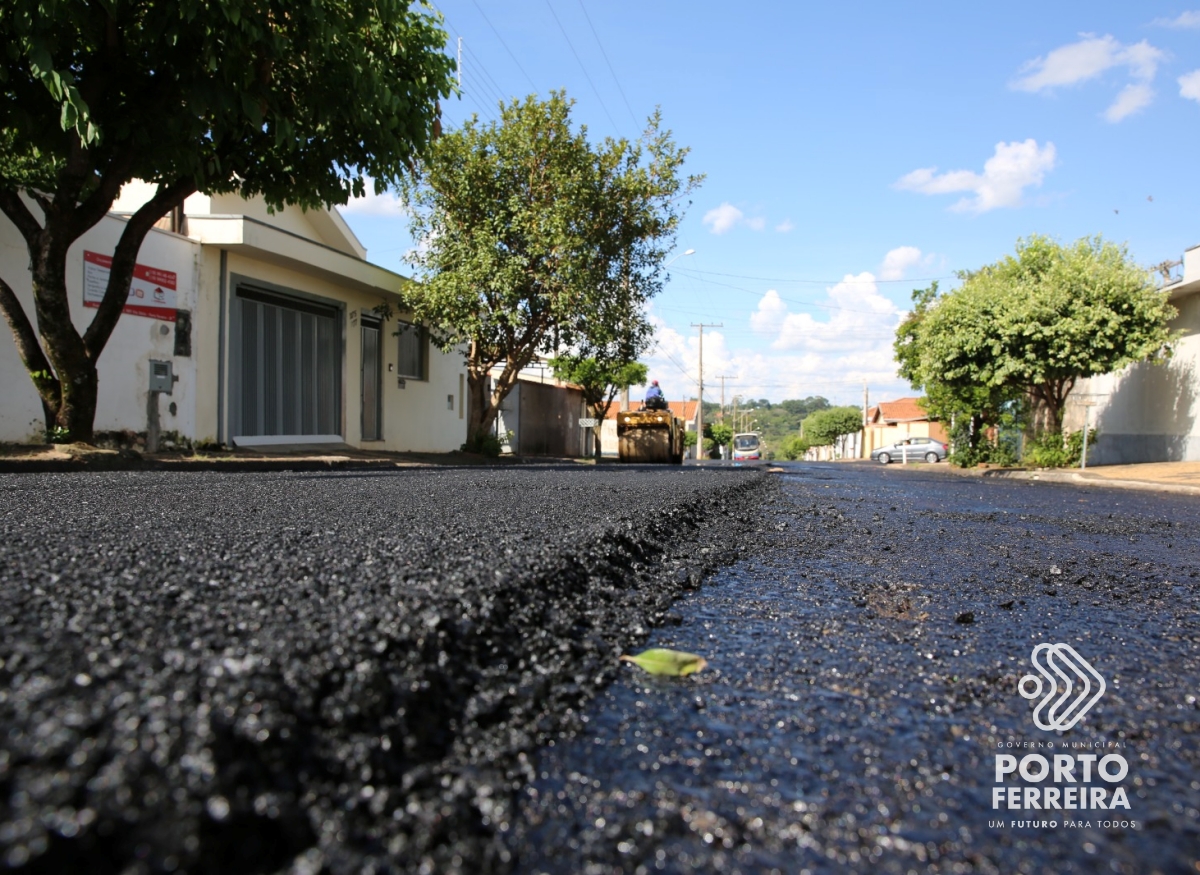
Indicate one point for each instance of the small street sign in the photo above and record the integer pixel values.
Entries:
(588, 422)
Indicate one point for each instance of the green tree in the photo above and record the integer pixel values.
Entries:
(533, 240)
(826, 427)
(600, 381)
(794, 447)
(721, 433)
(299, 106)
(969, 407)
(1036, 322)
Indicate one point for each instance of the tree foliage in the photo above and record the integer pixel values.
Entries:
(721, 433)
(1033, 323)
(600, 379)
(298, 102)
(825, 427)
(535, 241)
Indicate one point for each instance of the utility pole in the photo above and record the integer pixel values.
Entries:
(723, 378)
(700, 406)
(459, 68)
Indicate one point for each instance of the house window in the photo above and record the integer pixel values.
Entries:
(412, 355)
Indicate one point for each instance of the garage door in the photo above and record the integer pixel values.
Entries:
(287, 373)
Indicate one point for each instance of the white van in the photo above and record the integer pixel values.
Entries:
(746, 447)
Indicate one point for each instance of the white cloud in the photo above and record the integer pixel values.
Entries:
(1130, 100)
(1080, 61)
(785, 226)
(1090, 57)
(1185, 20)
(387, 204)
(897, 262)
(771, 310)
(723, 218)
(1189, 85)
(1011, 169)
(727, 216)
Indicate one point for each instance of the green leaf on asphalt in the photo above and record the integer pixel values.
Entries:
(674, 663)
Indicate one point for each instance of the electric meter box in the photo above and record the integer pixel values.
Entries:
(162, 377)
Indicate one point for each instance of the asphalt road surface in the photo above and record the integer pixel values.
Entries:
(863, 670)
(417, 672)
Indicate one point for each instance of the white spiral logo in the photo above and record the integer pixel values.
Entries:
(1058, 657)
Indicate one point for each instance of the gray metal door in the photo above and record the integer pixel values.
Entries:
(372, 406)
(289, 362)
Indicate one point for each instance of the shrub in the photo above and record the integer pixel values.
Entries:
(794, 447)
(1051, 450)
(485, 443)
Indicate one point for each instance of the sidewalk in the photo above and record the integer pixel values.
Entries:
(80, 457)
(1177, 477)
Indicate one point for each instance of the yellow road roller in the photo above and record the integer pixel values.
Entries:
(650, 436)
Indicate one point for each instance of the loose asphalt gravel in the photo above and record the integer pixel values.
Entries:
(213, 673)
(416, 671)
(864, 660)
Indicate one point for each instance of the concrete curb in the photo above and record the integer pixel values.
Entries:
(60, 466)
(1078, 478)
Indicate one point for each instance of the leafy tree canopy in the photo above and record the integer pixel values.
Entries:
(824, 427)
(300, 102)
(535, 241)
(1034, 323)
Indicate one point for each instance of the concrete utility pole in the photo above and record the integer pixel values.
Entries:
(459, 68)
(700, 405)
(723, 378)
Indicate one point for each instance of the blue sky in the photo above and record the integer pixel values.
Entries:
(852, 153)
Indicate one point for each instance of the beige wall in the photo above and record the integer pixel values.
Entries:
(1147, 412)
(125, 363)
(877, 436)
(426, 415)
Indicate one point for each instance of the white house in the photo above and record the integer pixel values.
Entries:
(269, 322)
(1148, 412)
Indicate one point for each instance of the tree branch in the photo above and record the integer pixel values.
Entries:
(124, 257)
(28, 347)
(13, 207)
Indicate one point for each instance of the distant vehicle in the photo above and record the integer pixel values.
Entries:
(746, 447)
(914, 449)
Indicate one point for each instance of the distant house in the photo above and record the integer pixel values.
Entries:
(1148, 412)
(891, 421)
(688, 411)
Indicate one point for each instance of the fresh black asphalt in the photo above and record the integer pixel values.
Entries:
(416, 671)
(863, 667)
(344, 672)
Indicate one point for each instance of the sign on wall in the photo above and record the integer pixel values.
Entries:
(151, 294)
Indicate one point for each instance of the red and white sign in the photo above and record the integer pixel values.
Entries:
(151, 294)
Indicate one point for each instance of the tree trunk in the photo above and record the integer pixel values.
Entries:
(76, 371)
(69, 394)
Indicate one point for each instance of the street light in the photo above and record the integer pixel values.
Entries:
(677, 257)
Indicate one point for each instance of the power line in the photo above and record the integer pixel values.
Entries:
(503, 43)
(571, 46)
(610, 66)
(775, 279)
(796, 301)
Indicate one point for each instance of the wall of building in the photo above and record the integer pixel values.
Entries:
(877, 436)
(420, 415)
(125, 363)
(1146, 412)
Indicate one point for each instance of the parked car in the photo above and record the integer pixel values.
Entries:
(914, 448)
